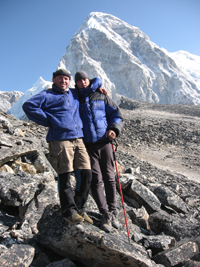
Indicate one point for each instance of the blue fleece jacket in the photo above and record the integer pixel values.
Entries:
(58, 111)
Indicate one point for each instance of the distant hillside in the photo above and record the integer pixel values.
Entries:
(8, 99)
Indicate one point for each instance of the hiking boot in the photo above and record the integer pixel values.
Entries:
(114, 221)
(86, 217)
(106, 222)
(74, 218)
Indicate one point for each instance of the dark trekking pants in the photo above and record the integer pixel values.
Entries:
(70, 203)
(102, 164)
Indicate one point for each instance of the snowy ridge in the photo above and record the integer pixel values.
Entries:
(39, 86)
(188, 63)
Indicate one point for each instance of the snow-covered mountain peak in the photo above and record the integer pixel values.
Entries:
(40, 82)
(111, 26)
(128, 63)
(117, 25)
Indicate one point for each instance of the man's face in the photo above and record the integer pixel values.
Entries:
(83, 83)
(61, 82)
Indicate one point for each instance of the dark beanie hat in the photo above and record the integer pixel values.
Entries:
(81, 75)
(62, 72)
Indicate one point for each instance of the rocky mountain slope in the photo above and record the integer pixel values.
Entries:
(158, 157)
(8, 99)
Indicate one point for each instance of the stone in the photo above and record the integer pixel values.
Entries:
(21, 255)
(177, 254)
(174, 225)
(168, 198)
(62, 263)
(143, 196)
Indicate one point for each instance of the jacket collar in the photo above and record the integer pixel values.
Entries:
(57, 90)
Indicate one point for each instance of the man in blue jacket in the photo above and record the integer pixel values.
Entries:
(102, 122)
(58, 109)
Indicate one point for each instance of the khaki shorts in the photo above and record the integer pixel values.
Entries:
(68, 155)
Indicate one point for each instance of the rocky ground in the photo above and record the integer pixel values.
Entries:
(166, 136)
(158, 157)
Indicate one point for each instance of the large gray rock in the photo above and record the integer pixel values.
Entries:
(168, 198)
(177, 255)
(180, 227)
(20, 255)
(89, 244)
(19, 189)
(142, 195)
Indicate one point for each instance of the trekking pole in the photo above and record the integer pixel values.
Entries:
(120, 187)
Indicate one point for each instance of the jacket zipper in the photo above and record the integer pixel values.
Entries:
(71, 114)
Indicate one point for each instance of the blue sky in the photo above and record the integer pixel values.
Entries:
(35, 33)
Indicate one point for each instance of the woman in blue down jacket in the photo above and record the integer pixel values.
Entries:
(102, 122)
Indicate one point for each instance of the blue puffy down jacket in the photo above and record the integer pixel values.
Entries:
(99, 113)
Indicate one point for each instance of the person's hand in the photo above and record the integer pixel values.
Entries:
(103, 91)
(110, 135)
